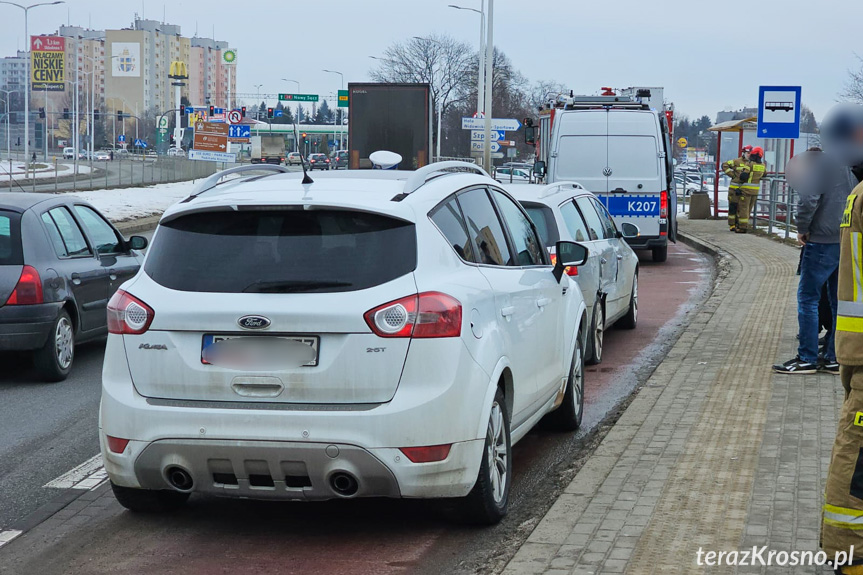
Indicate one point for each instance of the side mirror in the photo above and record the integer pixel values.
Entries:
(138, 242)
(539, 168)
(530, 135)
(629, 230)
(568, 254)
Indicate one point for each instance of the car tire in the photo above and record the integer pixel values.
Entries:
(568, 416)
(54, 359)
(148, 500)
(631, 318)
(660, 254)
(596, 334)
(487, 502)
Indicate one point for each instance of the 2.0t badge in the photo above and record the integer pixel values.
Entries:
(254, 322)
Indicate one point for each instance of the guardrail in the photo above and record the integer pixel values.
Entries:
(776, 206)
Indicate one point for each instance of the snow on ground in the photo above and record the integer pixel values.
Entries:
(131, 203)
(47, 172)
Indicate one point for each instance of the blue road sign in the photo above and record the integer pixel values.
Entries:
(218, 110)
(331, 143)
(239, 131)
(279, 113)
(779, 112)
(190, 109)
(121, 138)
(139, 143)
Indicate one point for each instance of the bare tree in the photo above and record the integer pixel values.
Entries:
(853, 89)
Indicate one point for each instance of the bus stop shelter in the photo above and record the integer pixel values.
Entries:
(738, 126)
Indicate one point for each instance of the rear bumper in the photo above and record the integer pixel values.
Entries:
(26, 327)
(647, 243)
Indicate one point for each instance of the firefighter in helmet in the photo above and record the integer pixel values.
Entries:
(750, 184)
(842, 136)
(733, 168)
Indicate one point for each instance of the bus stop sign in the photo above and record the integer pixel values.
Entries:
(779, 112)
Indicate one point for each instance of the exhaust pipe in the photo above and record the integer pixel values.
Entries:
(179, 478)
(344, 484)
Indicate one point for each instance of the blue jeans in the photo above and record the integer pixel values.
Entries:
(817, 268)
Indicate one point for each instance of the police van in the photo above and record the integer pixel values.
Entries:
(619, 148)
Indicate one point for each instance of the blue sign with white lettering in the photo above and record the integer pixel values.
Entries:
(779, 112)
(239, 131)
(633, 205)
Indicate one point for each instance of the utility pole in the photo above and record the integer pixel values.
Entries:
(489, 56)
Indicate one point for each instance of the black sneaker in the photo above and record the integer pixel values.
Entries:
(825, 366)
(795, 366)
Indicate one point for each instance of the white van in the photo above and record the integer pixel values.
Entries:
(618, 149)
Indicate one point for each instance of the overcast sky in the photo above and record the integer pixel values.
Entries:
(708, 55)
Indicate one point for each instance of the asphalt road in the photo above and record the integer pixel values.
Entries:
(45, 430)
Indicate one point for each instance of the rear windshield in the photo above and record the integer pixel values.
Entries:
(10, 239)
(281, 251)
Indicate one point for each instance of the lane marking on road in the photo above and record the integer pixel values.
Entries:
(8, 535)
(88, 475)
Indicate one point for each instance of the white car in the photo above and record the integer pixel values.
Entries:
(68, 153)
(179, 152)
(609, 278)
(506, 175)
(102, 156)
(376, 333)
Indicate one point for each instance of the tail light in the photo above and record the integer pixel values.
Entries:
(128, 315)
(663, 204)
(28, 290)
(311, 161)
(427, 454)
(116, 444)
(568, 270)
(427, 315)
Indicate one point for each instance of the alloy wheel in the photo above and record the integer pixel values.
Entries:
(63, 344)
(497, 453)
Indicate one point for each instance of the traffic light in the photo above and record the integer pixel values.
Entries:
(120, 115)
(95, 113)
(243, 111)
(41, 112)
(212, 111)
(65, 113)
(271, 113)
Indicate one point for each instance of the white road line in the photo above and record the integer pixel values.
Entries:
(82, 476)
(8, 535)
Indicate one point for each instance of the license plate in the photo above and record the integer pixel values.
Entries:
(247, 349)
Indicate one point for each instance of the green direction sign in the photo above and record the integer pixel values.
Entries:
(298, 97)
(344, 100)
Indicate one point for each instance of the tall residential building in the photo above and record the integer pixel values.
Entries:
(208, 74)
(13, 71)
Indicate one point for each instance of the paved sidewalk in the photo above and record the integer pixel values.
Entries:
(716, 451)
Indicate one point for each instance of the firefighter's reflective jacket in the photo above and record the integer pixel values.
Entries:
(849, 321)
(756, 171)
(733, 168)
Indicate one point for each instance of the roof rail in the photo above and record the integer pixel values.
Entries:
(214, 180)
(419, 177)
(552, 189)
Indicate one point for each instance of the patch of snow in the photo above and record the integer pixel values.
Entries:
(131, 203)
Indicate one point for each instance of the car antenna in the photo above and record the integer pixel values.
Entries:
(306, 178)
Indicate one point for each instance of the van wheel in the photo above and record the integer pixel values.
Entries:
(487, 502)
(54, 359)
(631, 318)
(660, 254)
(568, 416)
(148, 500)
(597, 333)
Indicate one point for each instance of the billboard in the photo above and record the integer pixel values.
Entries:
(47, 63)
(392, 117)
(125, 59)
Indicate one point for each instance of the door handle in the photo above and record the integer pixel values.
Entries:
(507, 311)
(603, 260)
(542, 302)
(76, 279)
(619, 257)
(112, 275)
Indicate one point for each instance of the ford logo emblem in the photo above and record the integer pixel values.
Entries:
(253, 322)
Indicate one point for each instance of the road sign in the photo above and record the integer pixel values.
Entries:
(681, 142)
(121, 138)
(479, 135)
(47, 63)
(479, 147)
(234, 117)
(239, 131)
(778, 112)
(507, 143)
(505, 124)
(278, 113)
(211, 137)
(212, 128)
(344, 99)
(211, 156)
(139, 143)
(298, 97)
(494, 155)
(163, 123)
(511, 152)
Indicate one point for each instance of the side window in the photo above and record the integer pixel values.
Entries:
(73, 239)
(594, 224)
(607, 222)
(100, 230)
(574, 222)
(54, 236)
(484, 227)
(525, 241)
(450, 222)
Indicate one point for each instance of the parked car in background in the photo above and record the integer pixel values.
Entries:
(68, 153)
(60, 262)
(411, 320)
(319, 162)
(609, 279)
(340, 159)
(507, 175)
(177, 152)
(294, 159)
(102, 156)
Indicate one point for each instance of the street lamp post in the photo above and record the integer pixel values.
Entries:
(335, 114)
(480, 106)
(26, 10)
(489, 49)
(258, 103)
(8, 139)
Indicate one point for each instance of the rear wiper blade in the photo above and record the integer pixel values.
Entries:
(290, 286)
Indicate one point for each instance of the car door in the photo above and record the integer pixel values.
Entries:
(607, 259)
(120, 262)
(532, 258)
(79, 267)
(589, 276)
(616, 288)
(515, 299)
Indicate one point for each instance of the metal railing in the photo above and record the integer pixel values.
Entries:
(776, 207)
